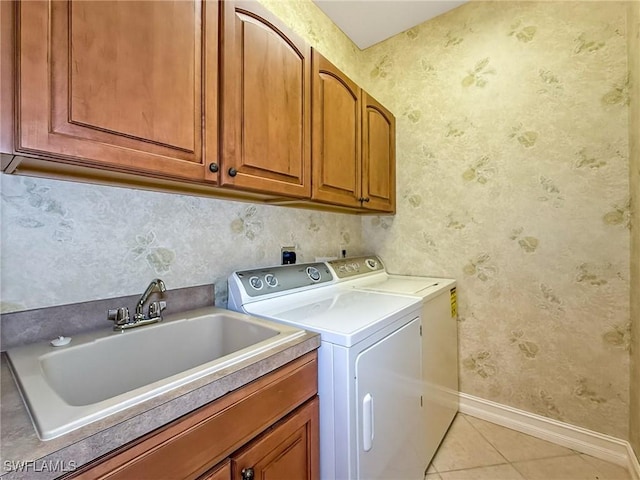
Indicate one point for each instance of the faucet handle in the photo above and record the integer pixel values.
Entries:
(119, 315)
(156, 308)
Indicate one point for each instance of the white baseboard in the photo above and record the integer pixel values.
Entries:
(580, 439)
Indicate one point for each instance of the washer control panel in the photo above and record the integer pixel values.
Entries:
(351, 267)
(264, 281)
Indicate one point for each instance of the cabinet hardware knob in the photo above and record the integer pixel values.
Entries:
(213, 167)
(233, 172)
(361, 199)
(247, 474)
(367, 199)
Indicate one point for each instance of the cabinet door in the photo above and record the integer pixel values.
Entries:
(265, 103)
(336, 139)
(119, 85)
(219, 472)
(289, 450)
(378, 156)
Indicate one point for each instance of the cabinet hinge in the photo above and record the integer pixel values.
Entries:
(420, 400)
(420, 330)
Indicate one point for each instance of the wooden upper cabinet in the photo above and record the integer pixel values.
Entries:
(378, 156)
(120, 84)
(336, 139)
(266, 75)
(353, 143)
(204, 91)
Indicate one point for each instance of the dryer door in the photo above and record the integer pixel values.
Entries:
(389, 385)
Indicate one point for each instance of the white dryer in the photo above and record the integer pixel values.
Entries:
(439, 336)
(369, 366)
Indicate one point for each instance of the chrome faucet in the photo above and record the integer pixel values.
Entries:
(154, 308)
(123, 321)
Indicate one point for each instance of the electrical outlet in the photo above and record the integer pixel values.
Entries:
(288, 255)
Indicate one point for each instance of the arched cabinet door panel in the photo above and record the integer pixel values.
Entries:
(119, 85)
(266, 101)
(378, 156)
(353, 143)
(336, 139)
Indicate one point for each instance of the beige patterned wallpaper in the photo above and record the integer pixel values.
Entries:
(64, 242)
(634, 171)
(513, 179)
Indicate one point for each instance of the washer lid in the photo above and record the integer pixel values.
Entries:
(341, 316)
(406, 285)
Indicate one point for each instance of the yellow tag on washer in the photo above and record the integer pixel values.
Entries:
(454, 303)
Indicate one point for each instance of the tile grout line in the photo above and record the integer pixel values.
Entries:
(464, 417)
(599, 445)
(485, 438)
(431, 464)
(472, 468)
(572, 453)
(508, 462)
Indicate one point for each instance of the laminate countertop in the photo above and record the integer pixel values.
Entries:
(24, 456)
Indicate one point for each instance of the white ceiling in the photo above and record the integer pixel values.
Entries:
(368, 22)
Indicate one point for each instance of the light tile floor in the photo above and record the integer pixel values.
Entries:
(477, 450)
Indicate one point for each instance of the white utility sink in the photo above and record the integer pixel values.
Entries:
(101, 373)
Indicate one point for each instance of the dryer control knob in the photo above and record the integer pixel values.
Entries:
(313, 273)
(271, 280)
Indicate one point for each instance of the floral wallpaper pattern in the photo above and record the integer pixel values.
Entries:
(513, 178)
(634, 172)
(67, 242)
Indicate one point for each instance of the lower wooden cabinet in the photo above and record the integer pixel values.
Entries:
(284, 452)
(219, 472)
(269, 426)
(288, 450)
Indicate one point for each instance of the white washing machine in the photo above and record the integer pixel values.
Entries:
(369, 362)
(439, 336)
